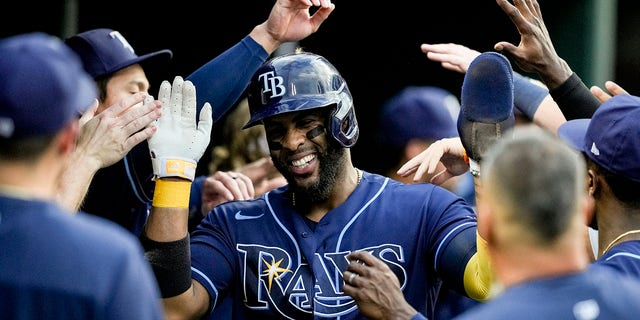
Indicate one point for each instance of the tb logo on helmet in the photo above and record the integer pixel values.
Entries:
(273, 84)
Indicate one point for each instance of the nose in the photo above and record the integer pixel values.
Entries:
(293, 138)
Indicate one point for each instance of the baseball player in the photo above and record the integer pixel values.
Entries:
(537, 238)
(119, 72)
(54, 264)
(282, 255)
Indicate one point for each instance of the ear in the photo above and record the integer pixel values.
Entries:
(592, 182)
(68, 136)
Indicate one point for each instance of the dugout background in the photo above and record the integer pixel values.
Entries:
(374, 44)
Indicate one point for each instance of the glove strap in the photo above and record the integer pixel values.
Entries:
(174, 167)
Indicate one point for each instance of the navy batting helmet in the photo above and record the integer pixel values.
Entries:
(302, 81)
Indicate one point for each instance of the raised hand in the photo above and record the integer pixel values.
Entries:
(290, 21)
(180, 140)
(613, 89)
(535, 52)
(445, 156)
(451, 56)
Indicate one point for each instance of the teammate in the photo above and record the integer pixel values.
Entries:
(535, 224)
(536, 239)
(282, 255)
(56, 265)
(119, 72)
(609, 143)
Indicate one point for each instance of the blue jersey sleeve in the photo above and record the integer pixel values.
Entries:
(222, 80)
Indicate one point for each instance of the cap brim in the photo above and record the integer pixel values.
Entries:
(573, 132)
(148, 58)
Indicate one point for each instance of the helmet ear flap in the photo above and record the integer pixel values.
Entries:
(344, 125)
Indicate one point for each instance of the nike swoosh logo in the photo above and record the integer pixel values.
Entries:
(240, 216)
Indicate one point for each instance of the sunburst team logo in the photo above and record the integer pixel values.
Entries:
(274, 270)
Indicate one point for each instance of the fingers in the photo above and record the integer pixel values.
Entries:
(124, 104)
(362, 263)
(614, 88)
(205, 123)
(89, 113)
(229, 185)
(188, 102)
(175, 101)
(452, 56)
(318, 17)
(600, 94)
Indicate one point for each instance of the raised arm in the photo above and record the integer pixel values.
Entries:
(222, 80)
(175, 149)
(536, 53)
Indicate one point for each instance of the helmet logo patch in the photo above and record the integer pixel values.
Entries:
(272, 84)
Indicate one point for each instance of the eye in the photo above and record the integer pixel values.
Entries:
(275, 133)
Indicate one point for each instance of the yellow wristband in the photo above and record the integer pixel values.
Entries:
(171, 194)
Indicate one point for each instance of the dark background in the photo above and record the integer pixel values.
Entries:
(375, 45)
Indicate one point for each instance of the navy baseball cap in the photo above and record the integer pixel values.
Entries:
(418, 112)
(42, 85)
(611, 138)
(105, 51)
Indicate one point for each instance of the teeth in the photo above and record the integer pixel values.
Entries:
(303, 161)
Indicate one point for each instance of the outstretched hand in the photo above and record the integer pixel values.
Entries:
(290, 21)
(445, 156)
(535, 52)
(612, 87)
(451, 56)
(109, 136)
(180, 140)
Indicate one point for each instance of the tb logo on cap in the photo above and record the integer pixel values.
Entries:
(116, 35)
(273, 84)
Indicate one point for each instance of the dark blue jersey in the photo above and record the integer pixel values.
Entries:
(57, 266)
(260, 259)
(598, 293)
(624, 257)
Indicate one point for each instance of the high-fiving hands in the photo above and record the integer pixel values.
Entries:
(181, 138)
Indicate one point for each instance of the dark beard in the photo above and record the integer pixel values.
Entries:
(331, 164)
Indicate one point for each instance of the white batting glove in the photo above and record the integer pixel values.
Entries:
(179, 141)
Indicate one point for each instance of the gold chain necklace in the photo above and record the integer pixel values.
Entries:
(618, 239)
(358, 172)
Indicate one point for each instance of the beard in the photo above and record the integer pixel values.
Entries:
(331, 164)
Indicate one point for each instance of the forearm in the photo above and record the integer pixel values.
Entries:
(262, 36)
(222, 80)
(74, 182)
(574, 98)
(549, 115)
